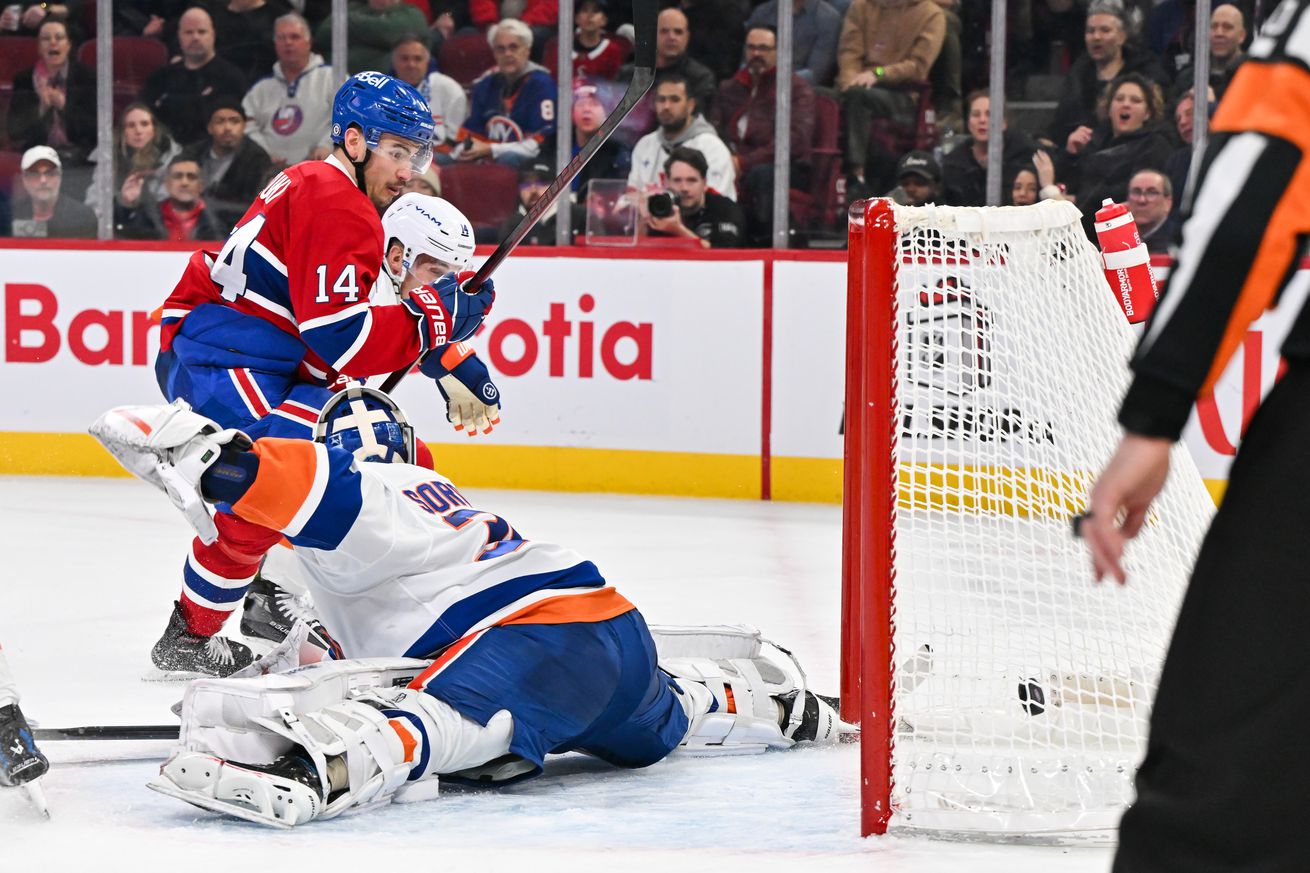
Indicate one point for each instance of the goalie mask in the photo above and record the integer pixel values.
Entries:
(368, 424)
(427, 225)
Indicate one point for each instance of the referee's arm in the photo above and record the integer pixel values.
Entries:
(1245, 223)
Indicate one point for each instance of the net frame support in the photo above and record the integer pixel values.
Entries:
(869, 503)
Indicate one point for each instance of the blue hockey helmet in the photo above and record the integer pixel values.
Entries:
(378, 104)
(368, 424)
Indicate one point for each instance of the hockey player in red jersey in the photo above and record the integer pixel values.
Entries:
(254, 334)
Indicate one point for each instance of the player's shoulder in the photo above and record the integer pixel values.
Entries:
(326, 185)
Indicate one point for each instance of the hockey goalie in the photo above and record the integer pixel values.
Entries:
(470, 651)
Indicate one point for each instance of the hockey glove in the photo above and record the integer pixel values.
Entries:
(472, 399)
(170, 447)
(447, 314)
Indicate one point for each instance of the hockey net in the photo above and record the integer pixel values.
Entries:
(999, 691)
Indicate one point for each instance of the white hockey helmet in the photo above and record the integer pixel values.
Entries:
(427, 225)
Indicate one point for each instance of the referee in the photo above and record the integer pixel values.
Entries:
(1226, 769)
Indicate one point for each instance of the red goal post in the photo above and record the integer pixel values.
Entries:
(999, 692)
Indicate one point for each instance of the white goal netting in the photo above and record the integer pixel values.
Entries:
(1022, 690)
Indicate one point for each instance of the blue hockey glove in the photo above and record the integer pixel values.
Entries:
(472, 399)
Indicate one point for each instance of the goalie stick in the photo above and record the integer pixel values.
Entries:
(644, 13)
(108, 732)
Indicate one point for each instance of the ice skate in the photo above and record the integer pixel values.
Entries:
(269, 611)
(180, 654)
(282, 794)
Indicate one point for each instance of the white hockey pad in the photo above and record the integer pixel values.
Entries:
(230, 789)
(170, 447)
(730, 706)
(715, 641)
(218, 715)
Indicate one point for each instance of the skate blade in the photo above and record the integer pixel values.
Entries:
(212, 804)
(36, 794)
(162, 676)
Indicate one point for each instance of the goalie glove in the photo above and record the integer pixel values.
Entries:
(447, 314)
(472, 399)
(170, 447)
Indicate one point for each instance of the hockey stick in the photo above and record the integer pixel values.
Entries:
(644, 13)
(108, 732)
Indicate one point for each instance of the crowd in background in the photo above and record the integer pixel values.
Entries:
(888, 97)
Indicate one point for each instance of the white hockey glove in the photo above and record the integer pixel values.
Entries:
(472, 399)
(170, 447)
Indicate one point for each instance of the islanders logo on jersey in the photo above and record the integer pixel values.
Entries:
(287, 119)
(502, 128)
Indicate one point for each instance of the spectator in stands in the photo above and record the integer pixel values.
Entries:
(534, 179)
(672, 34)
(428, 183)
(964, 169)
(596, 54)
(290, 111)
(233, 166)
(145, 17)
(243, 31)
(1151, 201)
(715, 29)
(698, 212)
(1179, 163)
(613, 160)
(947, 72)
(512, 114)
(412, 62)
(54, 103)
(1023, 187)
(141, 149)
(918, 180)
(1129, 138)
(182, 216)
(44, 212)
(1227, 34)
(26, 19)
(372, 28)
(885, 46)
(744, 116)
(1108, 56)
(541, 16)
(178, 92)
(680, 124)
(816, 26)
(1171, 34)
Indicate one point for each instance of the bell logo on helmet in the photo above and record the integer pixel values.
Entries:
(377, 80)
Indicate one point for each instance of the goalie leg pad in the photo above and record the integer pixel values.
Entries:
(729, 706)
(231, 789)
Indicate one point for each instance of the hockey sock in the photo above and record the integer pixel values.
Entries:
(216, 576)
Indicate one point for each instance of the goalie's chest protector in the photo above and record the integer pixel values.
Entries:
(420, 568)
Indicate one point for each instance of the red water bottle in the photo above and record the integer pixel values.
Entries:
(1127, 262)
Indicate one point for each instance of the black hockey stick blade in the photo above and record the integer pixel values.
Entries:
(644, 14)
(108, 732)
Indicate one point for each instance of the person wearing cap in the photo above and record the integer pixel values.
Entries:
(44, 212)
(534, 179)
(698, 212)
(411, 62)
(234, 166)
(596, 53)
(613, 159)
(290, 110)
(918, 180)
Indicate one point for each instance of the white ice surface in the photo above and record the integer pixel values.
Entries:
(91, 567)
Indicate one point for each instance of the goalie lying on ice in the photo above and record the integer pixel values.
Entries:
(534, 652)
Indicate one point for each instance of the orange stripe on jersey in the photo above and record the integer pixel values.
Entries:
(1245, 108)
(567, 608)
(284, 481)
(452, 651)
(407, 742)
